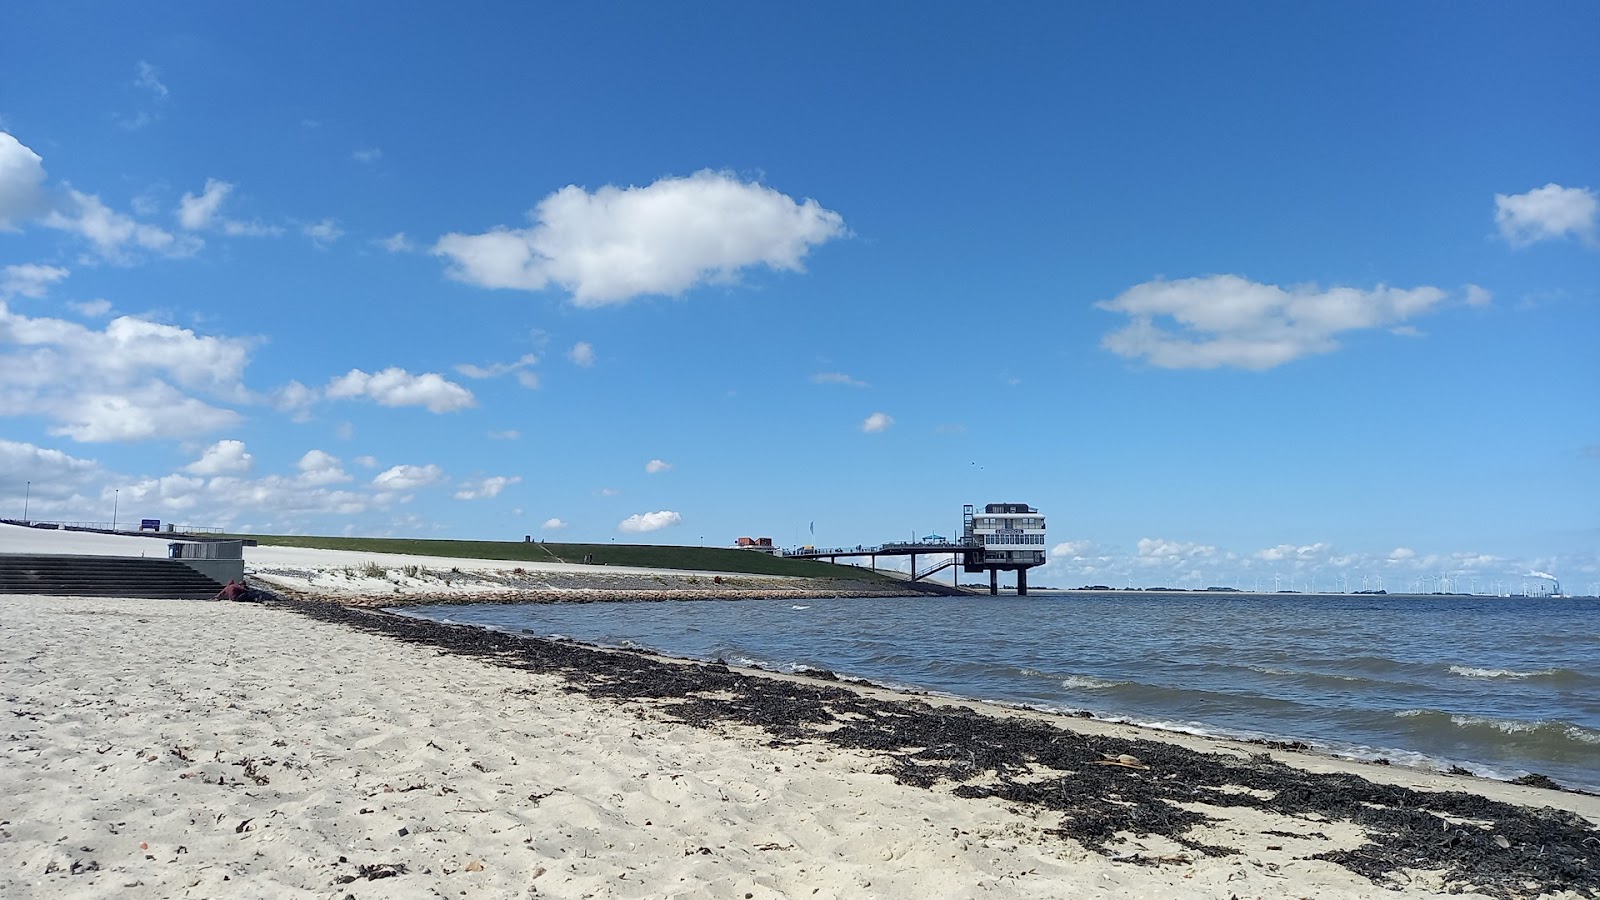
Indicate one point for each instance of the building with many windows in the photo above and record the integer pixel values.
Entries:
(1009, 538)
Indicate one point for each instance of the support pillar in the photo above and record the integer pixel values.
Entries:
(1022, 582)
(994, 582)
(913, 567)
(874, 562)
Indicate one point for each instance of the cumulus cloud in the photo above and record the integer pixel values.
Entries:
(29, 280)
(484, 488)
(132, 380)
(620, 243)
(222, 458)
(397, 387)
(639, 523)
(1549, 213)
(1477, 296)
(1228, 321)
(1159, 549)
(21, 183)
(1305, 552)
(837, 378)
(657, 466)
(582, 354)
(877, 422)
(55, 477)
(319, 467)
(197, 212)
(553, 524)
(398, 479)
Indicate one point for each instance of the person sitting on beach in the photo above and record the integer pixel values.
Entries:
(233, 590)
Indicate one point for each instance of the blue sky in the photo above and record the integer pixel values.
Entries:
(1229, 292)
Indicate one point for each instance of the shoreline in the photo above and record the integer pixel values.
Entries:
(425, 748)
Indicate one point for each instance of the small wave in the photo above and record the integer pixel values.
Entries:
(1087, 683)
(1543, 735)
(1475, 672)
(1291, 673)
(797, 606)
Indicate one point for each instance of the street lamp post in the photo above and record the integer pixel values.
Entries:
(116, 497)
(27, 495)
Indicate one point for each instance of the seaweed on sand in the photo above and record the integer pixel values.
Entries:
(1035, 763)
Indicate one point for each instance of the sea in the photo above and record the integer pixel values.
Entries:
(1500, 687)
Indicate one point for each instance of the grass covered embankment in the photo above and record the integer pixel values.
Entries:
(703, 559)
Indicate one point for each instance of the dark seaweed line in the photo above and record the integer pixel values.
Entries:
(924, 746)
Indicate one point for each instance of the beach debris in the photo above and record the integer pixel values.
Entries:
(244, 826)
(1125, 760)
(473, 866)
(1501, 842)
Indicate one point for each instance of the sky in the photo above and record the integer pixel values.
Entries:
(1235, 294)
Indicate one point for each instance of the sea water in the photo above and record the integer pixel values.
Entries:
(1500, 687)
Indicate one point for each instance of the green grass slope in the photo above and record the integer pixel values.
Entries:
(705, 559)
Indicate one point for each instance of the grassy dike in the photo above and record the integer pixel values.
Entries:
(704, 559)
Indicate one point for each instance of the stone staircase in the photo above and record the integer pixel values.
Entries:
(103, 576)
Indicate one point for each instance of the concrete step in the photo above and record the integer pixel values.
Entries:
(103, 576)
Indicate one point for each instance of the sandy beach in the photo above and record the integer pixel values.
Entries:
(327, 749)
(180, 748)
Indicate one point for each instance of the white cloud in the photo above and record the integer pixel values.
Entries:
(485, 488)
(197, 212)
(150, 79)
(837, 378)
(367, 155)
(657, 466)
(367, 462)
(155, 410)
(397, 387)
(1546, 214)
(553, 524)
(29, 280)
(519, 368)
(119, 383)
(318, 467)
(1164, 550)
(653, 521)
(202, 212)
(509, 434)
(1477, 296)
(323, 233)
(877, 422)
(582, 354)
(21, 181)
(93, 309)
(608, 492)
(1302, 552)
(1400, 553)
(406, 478)
(1225, 320)
(620, 243)
(222, 458)
(114, 234)
(396, 243)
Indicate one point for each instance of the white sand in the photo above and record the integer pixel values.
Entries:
(133, 727)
